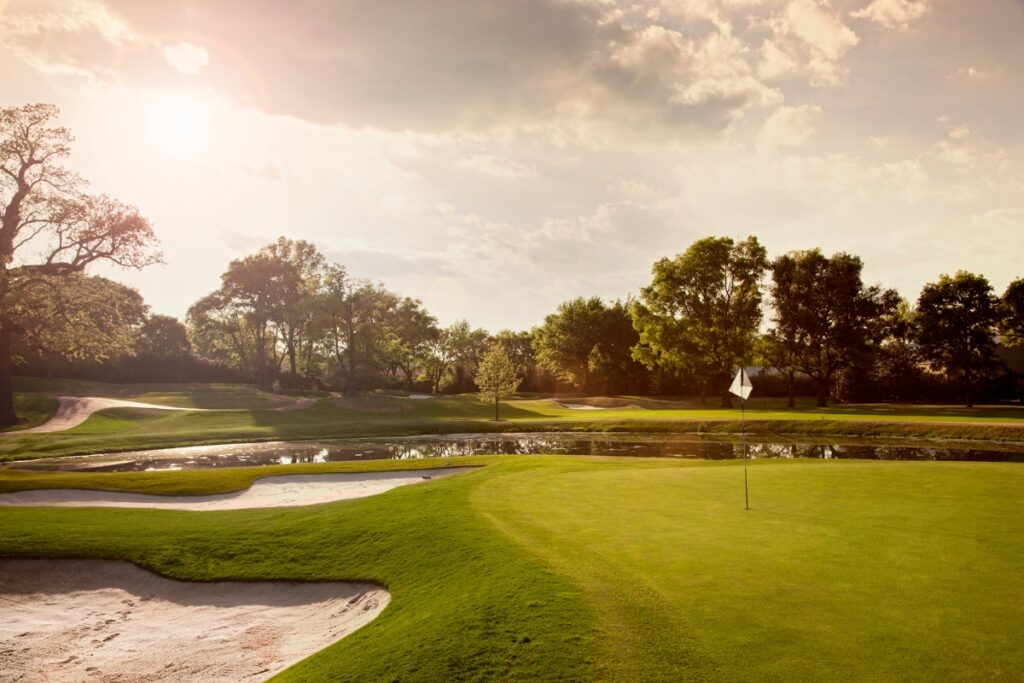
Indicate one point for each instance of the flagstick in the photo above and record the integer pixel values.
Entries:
(743, 436)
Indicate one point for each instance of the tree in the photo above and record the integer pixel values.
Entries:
(899, 355)
(49, 228)
(825, 318)
(297, 271)
(958, 317)
(76, 318)
(566, 342)
(162, 336)
(411, 330)
(496, 377)
(1011, 325)
(358, 315)
(701, 312)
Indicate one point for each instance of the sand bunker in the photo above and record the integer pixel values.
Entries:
(581, 406)
(279, 491)
(95, 620)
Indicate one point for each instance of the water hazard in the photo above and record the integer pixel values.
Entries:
(458, 445)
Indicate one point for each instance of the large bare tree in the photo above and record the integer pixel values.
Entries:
(49, 227)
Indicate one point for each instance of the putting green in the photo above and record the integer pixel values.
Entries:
(558, 568)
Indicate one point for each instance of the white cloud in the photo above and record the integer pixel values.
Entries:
(788, 127)
(813, 27)
(496, 166)
(893, 13)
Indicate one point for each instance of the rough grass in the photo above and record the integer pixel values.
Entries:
(560, 568)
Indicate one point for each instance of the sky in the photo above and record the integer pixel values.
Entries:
(494, 159)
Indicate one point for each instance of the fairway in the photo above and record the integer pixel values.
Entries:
(555, 568)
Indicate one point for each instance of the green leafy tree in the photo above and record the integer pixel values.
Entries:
(1011, 324)
(566, 344)
(411, 330)
(497, 377)
(49, 227)
(162, 336)
(825, 318)
(899, 358)
(77, 318)
(701, 312)
(297, 269)
(958, 316)
(356, 315)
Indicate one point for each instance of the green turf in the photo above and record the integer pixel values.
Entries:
(243, 413)
(557, 568)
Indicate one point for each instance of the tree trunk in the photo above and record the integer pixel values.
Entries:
(791, 403)
(823, 392)
(7, 416)
(495, 407)
(968, 393)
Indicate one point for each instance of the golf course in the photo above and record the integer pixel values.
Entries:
(575, 567)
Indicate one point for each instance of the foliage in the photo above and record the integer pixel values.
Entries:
(958, 317)
(75, 317)
(497, 376)
(1011, 325)
(162, 336)
(588, 343)
(825, 319)
(700, 314)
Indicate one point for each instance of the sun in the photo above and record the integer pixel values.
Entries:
(180, 123)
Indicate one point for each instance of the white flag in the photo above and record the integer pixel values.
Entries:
(741, 386)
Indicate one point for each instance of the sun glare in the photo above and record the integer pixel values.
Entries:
(180, 123)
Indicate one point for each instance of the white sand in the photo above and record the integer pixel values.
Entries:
(420, 397)
(278, 491)
(581, 406)
(67, 621)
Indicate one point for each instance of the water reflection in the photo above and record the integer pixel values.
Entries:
(458, 445)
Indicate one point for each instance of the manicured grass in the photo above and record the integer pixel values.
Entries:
(557, 568)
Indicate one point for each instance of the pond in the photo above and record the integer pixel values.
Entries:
(456, 445)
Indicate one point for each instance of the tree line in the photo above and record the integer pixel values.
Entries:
(285, 316)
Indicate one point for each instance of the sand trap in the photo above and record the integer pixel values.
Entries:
(280, 491)
(95, 620)
(580, 406)
(420, 397)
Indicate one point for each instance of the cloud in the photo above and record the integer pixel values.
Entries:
(79, 38)
(893, 14)
(787, 127)
(573, 70)
(496, 166)
(813, 28)
(187, 58)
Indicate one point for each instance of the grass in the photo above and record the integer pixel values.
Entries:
(560, 568)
